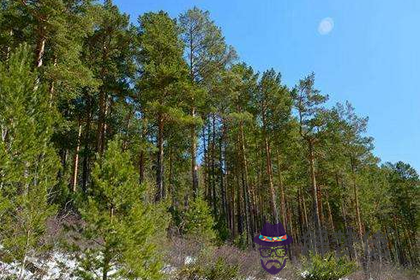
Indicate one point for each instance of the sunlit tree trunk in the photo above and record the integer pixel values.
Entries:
(159, 163)
(40, 47)
(76, 159)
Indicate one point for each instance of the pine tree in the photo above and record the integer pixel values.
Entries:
(308, 102)
(404, 196)
(108, 54)
(162, 80)
(28, 162)
(124, 231)
(273, 101)
(198, 221)
(207, 54)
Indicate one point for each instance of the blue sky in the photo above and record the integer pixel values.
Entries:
(371, 56)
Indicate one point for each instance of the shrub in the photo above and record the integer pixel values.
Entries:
(212, 271)
(316, 267)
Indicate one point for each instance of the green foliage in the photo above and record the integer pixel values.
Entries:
(198, 220)
(328, 267)
(212, 271)
(190, 121)
(28, 163)
(124, 231)
(241, 241)
(222, 270)
(163, 69)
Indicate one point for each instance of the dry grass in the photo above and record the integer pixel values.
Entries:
(249, 263)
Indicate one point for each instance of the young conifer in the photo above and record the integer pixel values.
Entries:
(123, 229)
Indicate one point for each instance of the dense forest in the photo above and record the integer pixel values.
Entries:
(142, 131)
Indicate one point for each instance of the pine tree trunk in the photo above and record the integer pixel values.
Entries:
(316, 213)
(106, 261)
(300, 212)
(269, 168)
(206, 164)
(142, 156)
(320, 207)
(283, 199)
(52, 86)
(247, 195)
(213, 164)
(232, 195)
(343, 212)
(76, 159)
(171, 179)
(159, 164)
(222, 158)
(194, 172)
(356, 201)
(330, 217)
(85, 172)
(239, 201)
(305, 212)
(101, 121)
(127, 128)
(40, 48)
(290, 221)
